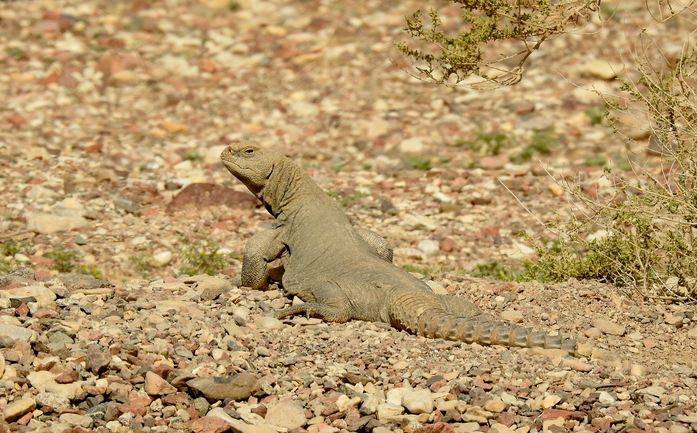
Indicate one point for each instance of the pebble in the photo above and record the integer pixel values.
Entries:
(496, 406)
(76, 420)
(17, 333)
(239, 426)
(210, 424)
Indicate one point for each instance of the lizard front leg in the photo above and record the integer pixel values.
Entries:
(331, 304)
(260, 249)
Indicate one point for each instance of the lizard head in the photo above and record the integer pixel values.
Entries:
(249, 163)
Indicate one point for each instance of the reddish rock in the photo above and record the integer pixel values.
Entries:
(67, 377)
(109, 65)
(45, 28)
(97, 361)
(68, 79)
(24, 420)
(51, 78)
(132, 408)
(526, 107)
(16, 119)
(439, 427)
(448, 245)
(209, 424)
(506, 418)
(549, 414)
(43, 313)
(202, 195)
(207, 66)
(22, 310)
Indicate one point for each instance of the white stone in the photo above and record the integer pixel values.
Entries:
(388, 410)
(429, 247)
(418, 222)
(303, 109)
(601, 69)
(287, 415)
(394, 396)
(39, 192)
(269, 323)
(412, 145)
(605, 398)
(418, 401)
(237, 425)
(163, 258)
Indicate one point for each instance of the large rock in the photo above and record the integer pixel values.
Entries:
(418, 401)
(288, 415)
(202, 195)
(44, 381)
(238, 387)
(15, 332)
(46, 223)
(18, 408)
(43, 295)
(155, 385)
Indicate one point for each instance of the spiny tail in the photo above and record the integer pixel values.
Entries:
(438, 324)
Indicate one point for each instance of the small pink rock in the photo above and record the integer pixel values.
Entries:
(45, 27)
(209, 424)
(494, 162)
(439, 427)
(448, 245)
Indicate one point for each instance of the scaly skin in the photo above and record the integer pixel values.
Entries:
(343, 273)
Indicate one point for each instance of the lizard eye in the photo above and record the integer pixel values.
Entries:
(249, 151)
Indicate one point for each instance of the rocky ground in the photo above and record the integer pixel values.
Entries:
(113, 117)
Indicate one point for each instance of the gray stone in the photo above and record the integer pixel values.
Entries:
(17, 332)
(58, 402)
(429, 247)
(288, 415)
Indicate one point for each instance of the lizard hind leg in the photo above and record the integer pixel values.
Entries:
(331, 304)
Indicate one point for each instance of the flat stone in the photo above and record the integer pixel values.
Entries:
(46, 223)
(237, 387)
(210, 424)
(17, 333)
(500, 428)
(428, 247)
(601, 69)
(269, 323)
(512, 316)
(44, 381)
(209, 287)
(439, 427)
(203, 195)
(240, 426)
(18, 408)
(287, 415)
(418, 222)
(77, 420)
(608, 327)
(385, 411)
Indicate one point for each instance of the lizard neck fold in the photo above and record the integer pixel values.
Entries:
(285, 184)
